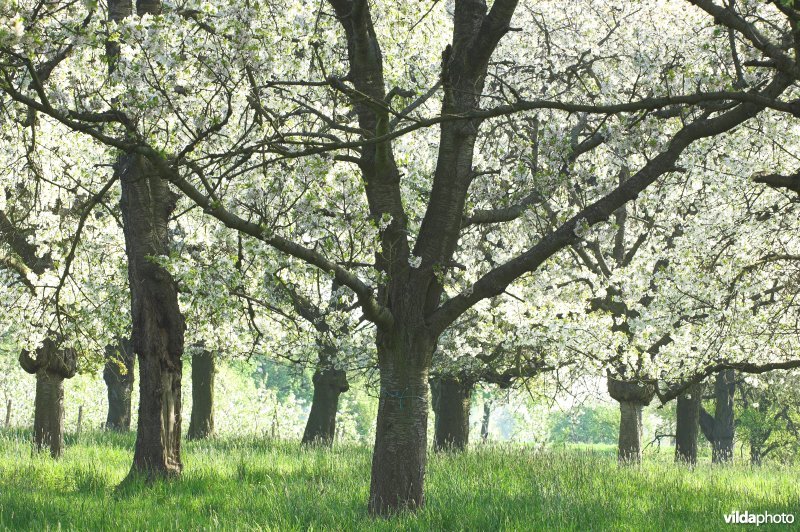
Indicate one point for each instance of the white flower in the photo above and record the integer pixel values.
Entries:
(385, 221)
(17, 28)
(581, 228)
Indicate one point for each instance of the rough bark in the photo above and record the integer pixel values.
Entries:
(119, 376)
(632, 397)
(51, 366)
(201, 422)
(400, 453)
(719, 429)
(688, 424)
(451, 404)
(158, 325)
(329, 384)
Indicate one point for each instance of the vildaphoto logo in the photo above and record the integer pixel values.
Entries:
(746, 518)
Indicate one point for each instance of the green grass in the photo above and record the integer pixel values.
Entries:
(252, 484)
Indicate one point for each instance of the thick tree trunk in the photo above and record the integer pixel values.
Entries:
(329, 384)
(158, 325)
(487, 412)
(719, 429)
(451, 404)
(633, 397)
(629, 449)
(688, 424)
(48, 418)
(51, 366)
(118, 375)
(401, 436)
(201, 423)
(724, 388)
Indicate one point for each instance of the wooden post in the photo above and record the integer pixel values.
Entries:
(80, 419)
(8, 413)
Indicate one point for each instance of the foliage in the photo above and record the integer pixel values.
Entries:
(585, 424)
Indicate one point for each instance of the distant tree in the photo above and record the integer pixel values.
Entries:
(719, 428)
(118, 374)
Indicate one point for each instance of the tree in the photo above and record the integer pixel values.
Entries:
(487, 347)
(408, 292)
(687, 424)
(119, 378)
(158, 324)
(766, 419)
(201, 422)
(51, 366)
(719, 429)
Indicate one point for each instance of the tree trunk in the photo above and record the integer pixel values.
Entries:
(119, 377)
(201, 423)
(48, 419)
(724, 388)
(158, 325)
(633, 396)
(451, 404)
(401, 435)
(630, 432)
(329, 384)
(487, 412)
(719, 429)
(51, 366)
(688, 424)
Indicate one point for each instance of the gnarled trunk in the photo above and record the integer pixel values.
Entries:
(633, 396)
(688, 424)
(201, 423)
(451, 404)
(401, 436)
(158, 325)
(719, 429)
(118, 375)
(329, 384)
(51, 366)
(48, 418)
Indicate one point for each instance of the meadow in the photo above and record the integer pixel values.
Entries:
(260, 484)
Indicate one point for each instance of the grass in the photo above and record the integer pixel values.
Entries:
(255, 484)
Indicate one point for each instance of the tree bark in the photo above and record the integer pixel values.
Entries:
(633, 397)
(688, 424)
(401, 436)
(719, 429)
(48, 424)
(118, 375)
(51, 366)
(451, 404)
(329, 384)
(629, 449)
(201, 423)
(158, 325)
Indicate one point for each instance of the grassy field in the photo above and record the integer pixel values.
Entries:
(252, 484)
